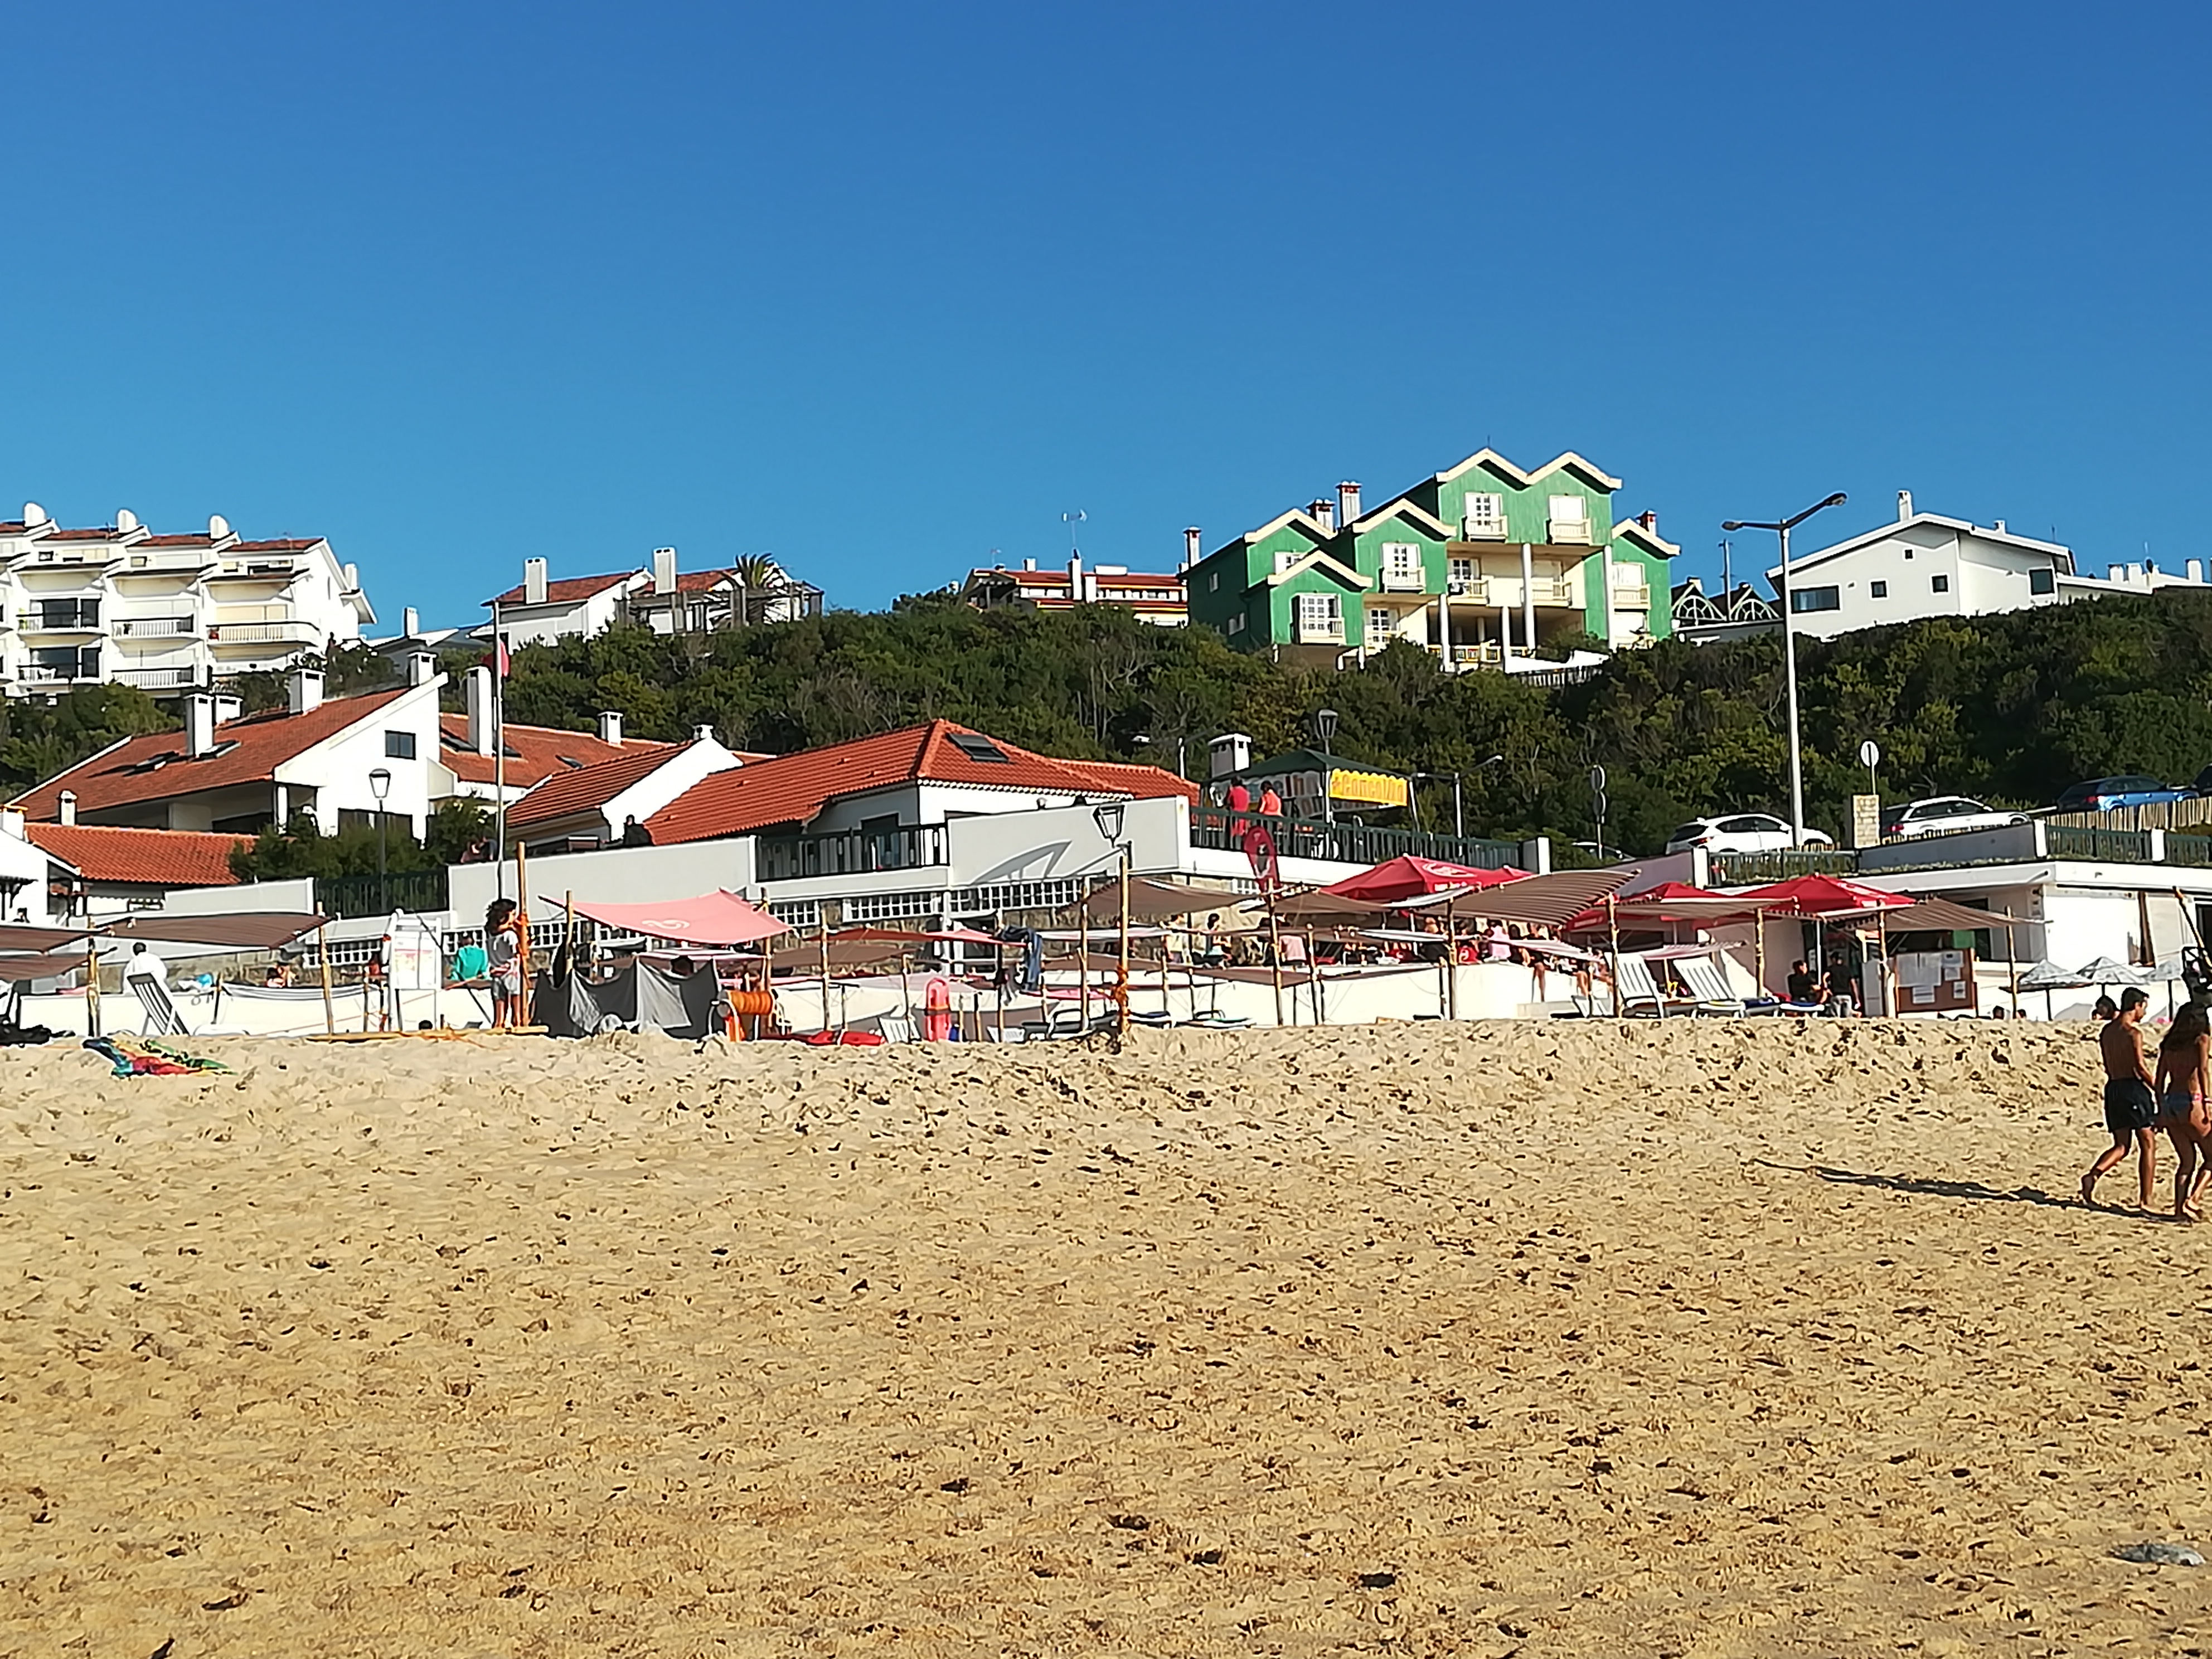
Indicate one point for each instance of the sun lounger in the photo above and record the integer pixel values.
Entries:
(1709, 987)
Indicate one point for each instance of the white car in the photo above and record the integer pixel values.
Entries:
(1944, 813)
(1740, 832)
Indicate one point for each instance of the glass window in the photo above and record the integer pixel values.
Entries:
(1381, 620)
(1319, 613)
(2043, 580)
(1284, 558)
(1484, 518)
(1401, 566)
(1939, 584)
(1462, 575)
(1878, 590)
(399, 745)
(1802, 599)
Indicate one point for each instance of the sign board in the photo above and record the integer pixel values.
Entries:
(416, 964)
(1866, 820)
(1936, 982)
(1869, 753)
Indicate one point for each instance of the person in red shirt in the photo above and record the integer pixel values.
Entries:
(1240, 797)
(1270, 804)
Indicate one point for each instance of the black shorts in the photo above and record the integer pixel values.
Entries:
(2128, 1106)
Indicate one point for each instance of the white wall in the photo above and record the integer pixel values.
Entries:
(610, 875)
(337, 769)
(19, 858)
(1984, 576)
(665, 782)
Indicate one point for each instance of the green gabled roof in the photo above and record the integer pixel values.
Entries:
(1566, 461)
(1321, 559)
(1650, 540)
(1297, 518)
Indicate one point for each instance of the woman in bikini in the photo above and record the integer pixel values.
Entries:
(2184, 1078)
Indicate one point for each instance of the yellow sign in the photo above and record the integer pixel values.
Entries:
(1369, 788)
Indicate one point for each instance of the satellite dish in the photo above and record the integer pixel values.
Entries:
(218, 526)
(125, 519)
(34, 514)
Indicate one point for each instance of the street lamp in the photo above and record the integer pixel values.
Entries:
(380, 785)
(1325, 730)
(1108, 816)
(1782, 528)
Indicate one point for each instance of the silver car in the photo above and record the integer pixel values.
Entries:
(1943, 813)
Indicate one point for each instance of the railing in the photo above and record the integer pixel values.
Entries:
(159, 679)
(1363, 844)
(1637, 597)
(1568, 532)
(340, 896)
(1476, 588)
(1757, 869)
(265, 633)
(40, 621)
(2195, 851)
(1320, 633)
(1550, 591)
(155, 628)
(1554, 679)
(851, 852)
(40, 673)
(2066, 841)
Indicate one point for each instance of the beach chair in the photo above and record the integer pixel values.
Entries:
(896, 1027)
(162, 1018)
(1640, 996)
(1709, 987)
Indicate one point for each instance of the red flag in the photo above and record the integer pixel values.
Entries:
(497, 659)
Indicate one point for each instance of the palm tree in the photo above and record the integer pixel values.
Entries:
(762, 585)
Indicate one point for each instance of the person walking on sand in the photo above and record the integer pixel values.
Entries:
(2130, 1101)
(2185, 1065)
(503, 952)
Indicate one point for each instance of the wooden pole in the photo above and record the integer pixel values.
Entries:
(822, 919)
(1613, 927)
(1275, 956)
(2012, 959)
(1451, 957)
(523, 1011)
(323, 950)
(1121, 991)
(91, 986)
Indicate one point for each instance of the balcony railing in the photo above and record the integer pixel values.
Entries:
(1637, 597)
(339, 896)
(264, 633)
(159, 679)
(40, 673)
(1328, 633)
(1475, 589)
(1345, 842)
(852, 852)
(155, 628)
(1549, 591)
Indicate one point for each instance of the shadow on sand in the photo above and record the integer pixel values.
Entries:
(1929, 1187)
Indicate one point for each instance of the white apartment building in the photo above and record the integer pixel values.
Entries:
(166, 613)
(1924, 565)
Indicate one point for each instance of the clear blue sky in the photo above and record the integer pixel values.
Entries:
(881, 288)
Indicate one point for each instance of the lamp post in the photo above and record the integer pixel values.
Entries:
(1108, 816)
(380, 785)
(1782, 528)
(1325, 730)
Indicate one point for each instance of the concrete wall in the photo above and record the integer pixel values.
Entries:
(609, 875)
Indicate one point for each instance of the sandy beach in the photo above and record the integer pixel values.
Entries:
(1700, 1338)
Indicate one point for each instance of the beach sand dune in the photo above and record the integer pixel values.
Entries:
(1723, 1338)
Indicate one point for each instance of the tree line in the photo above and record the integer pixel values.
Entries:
(2010, 709)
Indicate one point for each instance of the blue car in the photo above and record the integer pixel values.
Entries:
(2132, 789)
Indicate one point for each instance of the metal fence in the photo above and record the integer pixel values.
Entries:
(1346, 842)
(2066, 841)
(341, 897)
(1757, 869)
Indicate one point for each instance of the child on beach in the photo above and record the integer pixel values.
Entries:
(503, 950)
(2130, 1100)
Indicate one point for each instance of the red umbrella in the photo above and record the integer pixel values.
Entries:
(1821, 898)
(1410, 878)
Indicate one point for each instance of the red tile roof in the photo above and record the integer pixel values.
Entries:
(566, 793)
(106, 534)
(534, 753)
(284, 545)
(569, 590)
(154, 767)
(158, 858)
(793, 788)
(202, 540)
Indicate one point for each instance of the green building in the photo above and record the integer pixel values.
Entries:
(1479, 566)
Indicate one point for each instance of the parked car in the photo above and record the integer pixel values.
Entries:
(1944, 812)
(2129, 789)
(2203, 784)
(1740, 832)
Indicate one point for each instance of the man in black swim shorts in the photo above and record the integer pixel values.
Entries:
(2131, 1105)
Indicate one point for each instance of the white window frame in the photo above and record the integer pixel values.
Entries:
(1381, 618)
(1488, 525)
(1572, 525)
(1236, 623)
(1407, 576)
(1319, 616)
(1284, 558)
(1461, 575)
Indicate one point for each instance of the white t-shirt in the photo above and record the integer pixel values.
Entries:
(142, 964)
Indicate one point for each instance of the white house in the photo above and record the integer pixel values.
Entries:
(1924, 565)
(233, 773)
(165, 613)
(539, 611)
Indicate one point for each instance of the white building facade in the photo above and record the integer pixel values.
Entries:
(165, 613)
(1925, 565)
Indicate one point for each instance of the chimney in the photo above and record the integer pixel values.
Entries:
(69, 806)
(422, 667)
(1075, 591)
(664, 570)
(410, 623)
(2196, 570)
(1324, 512)
(2113, 573)
(702, 734)
(1649, 520)
(199, 725)
(477, 699)
(352, 574)
(1347, 503)
(610, 727)
(1903, 505)
(1194, 547)
(228, 708)
(1998, 526)
(533, 581)
(306, 689)
(1028, 564)
(11, 823)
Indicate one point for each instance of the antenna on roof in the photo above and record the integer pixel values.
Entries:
(1074, 536)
